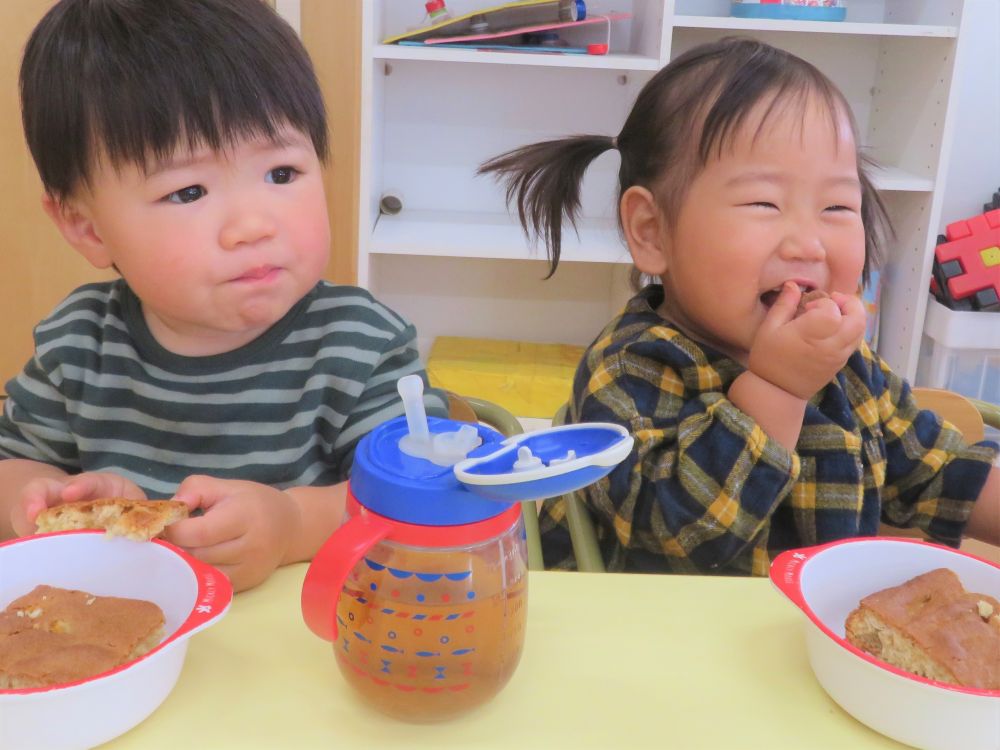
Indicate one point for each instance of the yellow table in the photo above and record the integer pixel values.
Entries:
(610, 661)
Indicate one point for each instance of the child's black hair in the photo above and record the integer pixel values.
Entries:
(689, 110)
(132, 80)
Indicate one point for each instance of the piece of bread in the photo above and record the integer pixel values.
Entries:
(809, 297)
(52, 636)
(931, 626)
(136, 519)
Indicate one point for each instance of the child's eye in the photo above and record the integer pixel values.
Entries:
(282, 175)
(189, 194)
(762, 204)
(839, 208)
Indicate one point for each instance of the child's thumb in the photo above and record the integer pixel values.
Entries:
(786, 305)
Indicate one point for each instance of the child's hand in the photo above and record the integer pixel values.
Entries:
(245, 531)
(803, 354)
(43, 493)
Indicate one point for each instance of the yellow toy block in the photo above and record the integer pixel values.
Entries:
(529, 380)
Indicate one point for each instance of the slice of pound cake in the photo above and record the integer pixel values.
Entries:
(51, 636)
(136, 519)
(931, 626)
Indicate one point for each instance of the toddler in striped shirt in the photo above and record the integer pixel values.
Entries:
(180, 144)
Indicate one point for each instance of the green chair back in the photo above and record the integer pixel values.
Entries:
(582, 533)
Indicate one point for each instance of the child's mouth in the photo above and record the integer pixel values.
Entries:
(769, 297)
(261, 273)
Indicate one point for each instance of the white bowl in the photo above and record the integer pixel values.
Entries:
(82, 714)
(828, 581)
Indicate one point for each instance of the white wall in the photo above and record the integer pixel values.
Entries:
(974, 172)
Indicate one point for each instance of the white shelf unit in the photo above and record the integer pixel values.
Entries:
(455, 262)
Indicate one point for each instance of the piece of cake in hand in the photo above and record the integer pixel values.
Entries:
(808, 297)
(136, 519)
(52, 636)
(932, 627)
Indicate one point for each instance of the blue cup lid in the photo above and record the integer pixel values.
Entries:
(414, 490)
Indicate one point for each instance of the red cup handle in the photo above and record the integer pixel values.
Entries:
(329, 568)
(786, 572)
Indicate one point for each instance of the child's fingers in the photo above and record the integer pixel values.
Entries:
(38, 495)
(32, 508)
(83, 487)
(851, 332)
(94, 486)
(198, 491)
(849, 304)
(854, 319)
(785, 306)
(218, 525)
(228, 553)
(194, 533)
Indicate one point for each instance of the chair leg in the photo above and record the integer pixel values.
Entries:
(584, 537)
(529, 512)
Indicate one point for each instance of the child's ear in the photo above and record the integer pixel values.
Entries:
(642, 223)
(73, 220)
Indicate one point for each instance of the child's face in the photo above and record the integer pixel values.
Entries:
(780, 205)
(217, 245)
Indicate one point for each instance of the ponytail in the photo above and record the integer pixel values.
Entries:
(544, 180)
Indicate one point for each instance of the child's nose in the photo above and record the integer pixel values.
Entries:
(802, 242)
(246, 225)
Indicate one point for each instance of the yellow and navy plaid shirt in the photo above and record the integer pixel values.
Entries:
(705, 490)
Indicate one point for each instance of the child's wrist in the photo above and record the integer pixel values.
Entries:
(750, 388)
(757, 385)
(293, 538)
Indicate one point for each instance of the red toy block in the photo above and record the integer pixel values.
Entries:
(967, 260)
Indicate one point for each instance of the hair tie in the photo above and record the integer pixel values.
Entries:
(614, 141)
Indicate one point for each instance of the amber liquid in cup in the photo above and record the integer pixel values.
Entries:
(425, 635)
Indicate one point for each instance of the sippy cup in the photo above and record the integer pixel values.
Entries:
(423, 590)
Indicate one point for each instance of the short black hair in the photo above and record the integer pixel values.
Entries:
(131, 80)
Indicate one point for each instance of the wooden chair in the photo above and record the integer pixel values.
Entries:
(970, 416)
(471, 409)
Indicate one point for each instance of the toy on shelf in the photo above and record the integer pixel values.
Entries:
(791, 10)
(994, 204)
(525, 26)
(967, 262)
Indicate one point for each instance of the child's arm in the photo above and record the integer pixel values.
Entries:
(703, 479)
(934, 480)
(778, 412)
(984, 521)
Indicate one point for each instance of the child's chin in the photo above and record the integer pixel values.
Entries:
(260, 317)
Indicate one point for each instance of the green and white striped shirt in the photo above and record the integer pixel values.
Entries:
(285, 410)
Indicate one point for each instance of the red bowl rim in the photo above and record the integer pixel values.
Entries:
(794, 592)
(215, 595)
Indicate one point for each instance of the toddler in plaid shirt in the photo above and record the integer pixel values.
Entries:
(759, 425)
